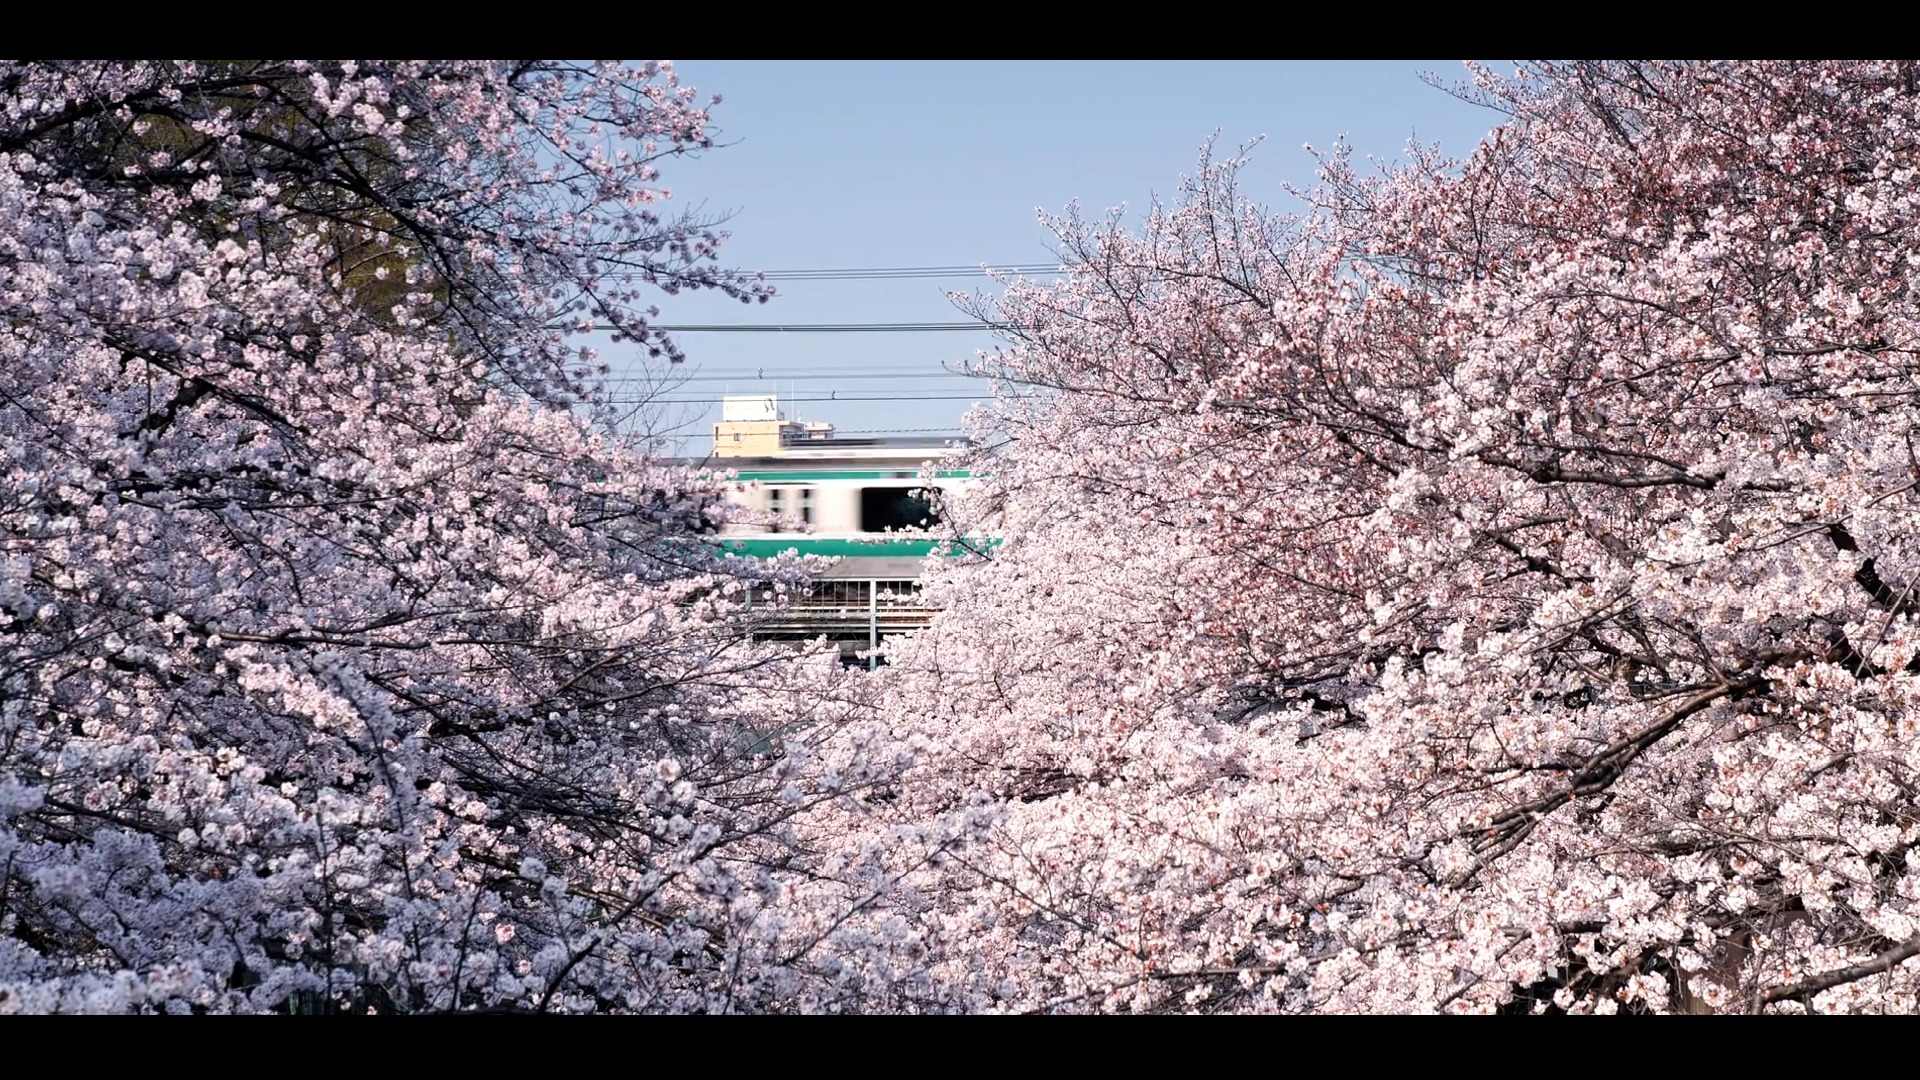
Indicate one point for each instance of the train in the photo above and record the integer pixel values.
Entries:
(871, 504)
(859, 500)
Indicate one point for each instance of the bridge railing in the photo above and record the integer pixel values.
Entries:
(856, 612)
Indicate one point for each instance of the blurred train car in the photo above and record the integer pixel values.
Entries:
(860, 501)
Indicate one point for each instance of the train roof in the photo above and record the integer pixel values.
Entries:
(856, 458)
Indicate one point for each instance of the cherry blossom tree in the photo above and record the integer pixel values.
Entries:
(1487, 589)
(344, 664)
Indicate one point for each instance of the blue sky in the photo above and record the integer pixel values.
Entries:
(830, 164)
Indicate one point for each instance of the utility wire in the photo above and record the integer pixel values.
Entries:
(868, 273)
(900, 431)
(848, 397)
(810, 328)
(764, 375)
(822, 328)
(896, 273)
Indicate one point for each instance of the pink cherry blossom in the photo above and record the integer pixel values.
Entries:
(1485, 589)
(344, 662)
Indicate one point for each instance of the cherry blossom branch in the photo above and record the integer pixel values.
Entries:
(1805, 989)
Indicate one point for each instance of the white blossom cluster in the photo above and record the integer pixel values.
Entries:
(1491, 589)
(342, 665)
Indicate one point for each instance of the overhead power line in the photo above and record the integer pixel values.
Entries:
(898, 431)
(881, 366)
(898, 273)
(823, 328)
(765, 375)
(882, 273)
(851, 396)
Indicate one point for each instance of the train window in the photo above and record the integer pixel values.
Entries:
(887, 508)
(783, 501)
